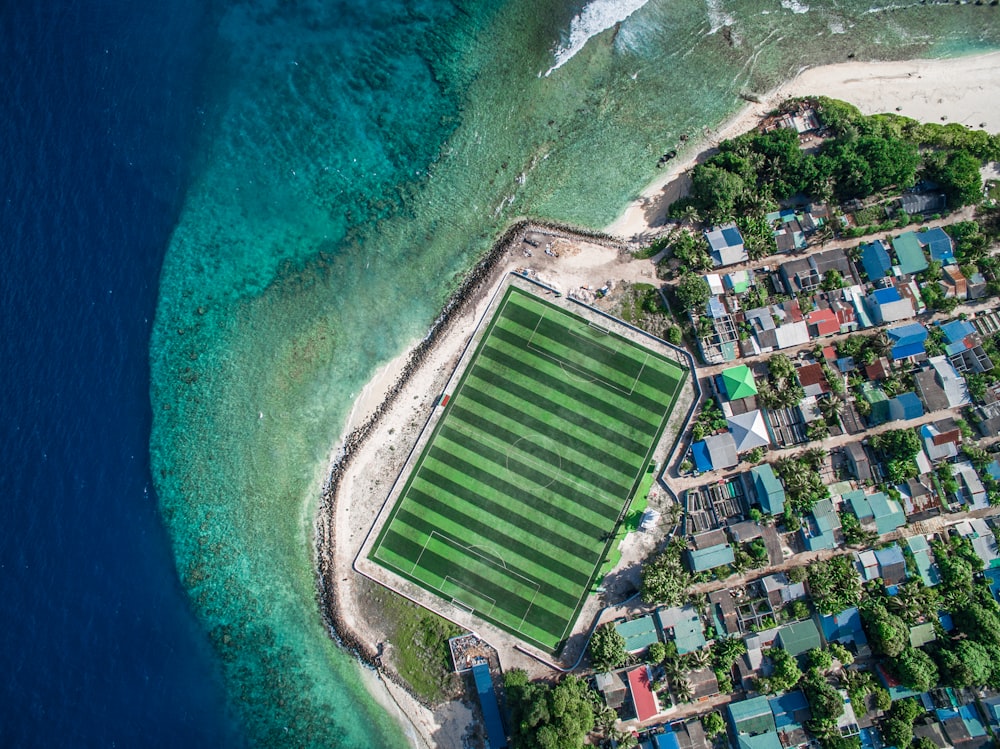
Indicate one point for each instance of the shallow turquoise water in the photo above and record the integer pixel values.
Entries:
(356, 160)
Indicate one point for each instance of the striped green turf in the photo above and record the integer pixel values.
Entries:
(516, 498)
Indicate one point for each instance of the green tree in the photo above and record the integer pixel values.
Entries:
(825, 702)
(887, 633)
(607, 648)
(716, 191)
(664, 579)
(834, 585)
(692, 291)
(785, 673)
(916, 669)
(841, 653)
(833, 280)
(675, 335)
(881, 698)
(959, 178)
(819, 659)
(545, 717)
(657, 652)
(713, 724)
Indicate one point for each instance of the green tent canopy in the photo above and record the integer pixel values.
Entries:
(739, 382)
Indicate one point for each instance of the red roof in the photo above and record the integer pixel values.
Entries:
(829, 353)
(812, 374)
(825, 320)
(642, 693)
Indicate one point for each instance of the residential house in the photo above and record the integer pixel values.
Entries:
(938, 244)
(915, 203)
(639, 633)
(749, 430)
(941, 439)
(612, 687)
(702, 560)
(954, 283)
(804, 275)
(877, 511)
(875, 260)
(971, 491)
(887, 305)
(753, 725)
(723, 609)
(780, 590)
(922, 634)
(690, 735)
(770, 492)
(820, 529)
(726, 245)
(644, 699)
(916, 497)
(799, 637)
(964, 347)
(721, 450)
(845, 628)
(857, 459)
(812, 379)
(682, 624)
(927, 568)
(907, 340)
(905, 406)
(909, 253)
(891, 564)
(983, 540)
(945, 382)
(823, 321)
(738, 382)
(987, 419)
(791, 713)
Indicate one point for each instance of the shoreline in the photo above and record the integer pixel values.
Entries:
(955, 89)
(641, 220)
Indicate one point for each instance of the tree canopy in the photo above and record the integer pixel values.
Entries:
(544, 717)
(607, 648)
(834, 585)
(692, 291)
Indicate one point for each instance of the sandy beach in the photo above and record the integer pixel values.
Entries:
(965, 90)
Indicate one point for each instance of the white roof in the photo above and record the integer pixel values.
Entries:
(955, 388)
(749, 430)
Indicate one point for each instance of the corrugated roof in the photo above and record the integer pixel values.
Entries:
(752, 716)
(799, 637)
(738, 382)
(910, 253)
(875, 260)
(641, 686)
(639, 633)
(495, 734)
(710, 558)
(770, 492)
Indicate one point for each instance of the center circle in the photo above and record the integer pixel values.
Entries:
(539, 452)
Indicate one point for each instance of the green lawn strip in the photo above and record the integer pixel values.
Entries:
(522, 395)
(556, 342)
(526, 418)
(488, 429)
(492, 439)
(505, 359)
(547, 488)
(494, 499)
(657, 387)
(609, 349)
(535, 562)
(552, 587)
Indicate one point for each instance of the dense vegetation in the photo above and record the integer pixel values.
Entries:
(548, 717)
(665, 579)
(865, 155)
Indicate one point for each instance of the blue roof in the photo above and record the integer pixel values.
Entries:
(906, 406)
(667, 740)
(702, 461)
(993, 469)
(845, 626)
(875, 260)
(947, 623)
(905, 352)
(908, 340)
(785, 706)
(938, 243)
(491, 713)
(732, 236)
(886, 296)
(956, 330)
(890, 555)
(715, 308)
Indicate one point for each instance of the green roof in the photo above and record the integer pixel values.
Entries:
(860, 506)
(712, 557)
(639, 633)
(770, 492)
(739, 382)
(799, 637)
(922, 634)
(924, 561)
(910, 253)
(760, 741)
(888, 513)
(752, 716)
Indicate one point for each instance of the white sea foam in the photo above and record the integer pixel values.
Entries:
(717, 17)
(597, 16)
(795, 6)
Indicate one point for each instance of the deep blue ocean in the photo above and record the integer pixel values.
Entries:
(98, 645)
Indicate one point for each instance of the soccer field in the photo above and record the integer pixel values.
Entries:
(516, 497)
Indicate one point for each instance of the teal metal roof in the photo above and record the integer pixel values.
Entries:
(752, 716)
(924, 560)
(770, 492)
(639, 633)
(888, 513)
(910, 253)
(711, 557)
(799, 637)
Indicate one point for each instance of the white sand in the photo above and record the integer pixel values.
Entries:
(964, 90)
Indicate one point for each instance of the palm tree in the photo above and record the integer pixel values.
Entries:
(831, 407)
(683, 690)
(690, 215)
(881, 343)
(698, 659)
(673, 669)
